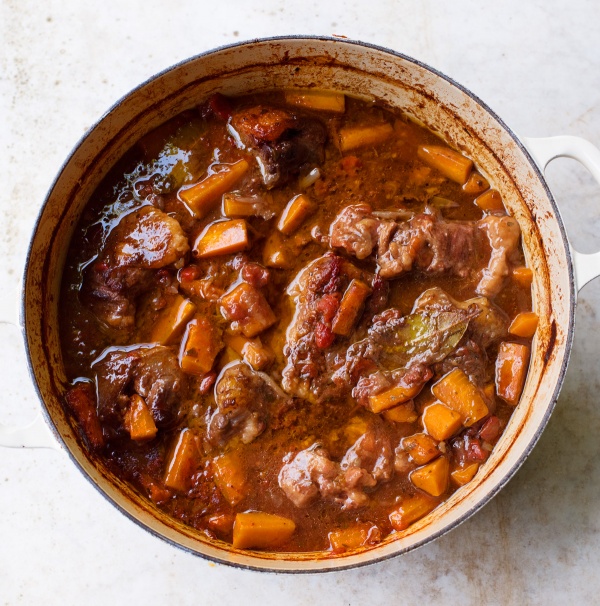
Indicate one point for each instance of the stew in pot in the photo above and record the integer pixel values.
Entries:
(295, 321)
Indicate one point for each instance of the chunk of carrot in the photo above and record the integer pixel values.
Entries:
(354, 536)
(319, 100)
(511, 370)
(252, 350)
(350, 307)
(433, 477)
(230, 477)
(172, 320)
(490, 201)
(449, 162)
(440, 421)
(277, 253)
(523, 276)
(205, 195)
(457, 392)
(237, 206)
(222, 238)
(463, 475)
(298, 209)
(182, 462)
(393, 397)
(247, 310)
(261, 530)
(352, 137)
(411, 510)
(421, 448)
(475, 184)
(524, 325)
(403, 413)
(140, 421)
(200, 346)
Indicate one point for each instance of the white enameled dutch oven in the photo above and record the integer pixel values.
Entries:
(514, 165)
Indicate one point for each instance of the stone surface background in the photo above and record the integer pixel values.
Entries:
(63, 63)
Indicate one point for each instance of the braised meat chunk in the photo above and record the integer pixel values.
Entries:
(283, 142)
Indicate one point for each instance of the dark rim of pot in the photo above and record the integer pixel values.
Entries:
(505, 479)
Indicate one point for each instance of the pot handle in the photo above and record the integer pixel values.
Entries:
(544, 150)
(36, 434)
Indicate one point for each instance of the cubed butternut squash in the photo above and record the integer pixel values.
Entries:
(200, 346)
(172, 320)
(140, 421)
(259, 530)
(449, 162)
(421, 448)
(458, 393)
(298, 209)
(524, 324)
(182, 462)
(352, 137)
(319, 100)
(247, 310)
(523, 276)
(433, 477)
(403, 413)
(411, 510)
(490, 201)
(440, 421)
(205, 195)
(277, 252)
(511, 370)
(475, 184)
(463, 475)
(350, 307)
(230, 477)
(222, 238)
(354, 536)
(252, 350)
(393, 397)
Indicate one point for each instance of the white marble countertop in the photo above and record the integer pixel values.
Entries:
(63, 63)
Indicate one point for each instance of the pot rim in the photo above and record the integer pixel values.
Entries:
(367, 560)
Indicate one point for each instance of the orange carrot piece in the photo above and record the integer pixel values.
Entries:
(319, 100)
(182, 461)
(204, 196)
(277, 253)
(476, 184)
(140, 421)
(172, 320)
(352, 137)
(490, 201)
(403, 413)
(229, 476)
(524, 325)
(433, 477)
(350, 307)
(354, 536)
(463, 475)
(411, 510)
(440, 421)
(457, 392)
(261, 530)
(222, 238)
(252, 350)
(199, 347)
(450, 163)
(247, 310)
(523, 276)
(392, 397)
(420, 447)
(511, 370)
(298, 209)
